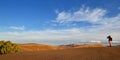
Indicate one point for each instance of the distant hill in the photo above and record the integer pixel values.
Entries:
(38, 47)
(89, 45)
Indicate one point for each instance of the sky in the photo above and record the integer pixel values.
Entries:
(57, 22)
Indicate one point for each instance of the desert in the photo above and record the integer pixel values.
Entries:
(81, 52)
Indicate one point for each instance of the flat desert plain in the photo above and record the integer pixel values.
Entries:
(63, 53)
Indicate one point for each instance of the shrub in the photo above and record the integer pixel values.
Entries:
(8, 47)
(1, 43)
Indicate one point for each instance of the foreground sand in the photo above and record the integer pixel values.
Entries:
(101, 53)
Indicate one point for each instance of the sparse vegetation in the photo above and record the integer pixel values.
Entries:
(8, 47)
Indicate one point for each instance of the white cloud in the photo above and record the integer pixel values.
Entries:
(116, 42)
(17, 27)
(93, 16)
(73, 35)
(95, 41)
(83, 14)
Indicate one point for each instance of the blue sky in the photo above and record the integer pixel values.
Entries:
(52, 21)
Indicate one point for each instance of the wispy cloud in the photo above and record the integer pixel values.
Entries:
(83, 14)
(17, 27)
(93, 16)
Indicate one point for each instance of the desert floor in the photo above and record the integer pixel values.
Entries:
(101, 53)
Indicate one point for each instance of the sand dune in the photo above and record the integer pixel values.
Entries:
(38, 47)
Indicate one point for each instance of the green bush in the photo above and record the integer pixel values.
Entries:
(8, 47)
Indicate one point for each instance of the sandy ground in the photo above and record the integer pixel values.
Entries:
(99, 53)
